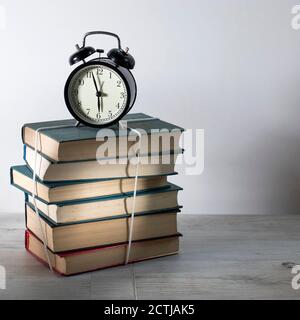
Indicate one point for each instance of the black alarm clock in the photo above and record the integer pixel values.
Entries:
(102, 90)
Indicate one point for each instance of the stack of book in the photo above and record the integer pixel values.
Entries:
(85, 200)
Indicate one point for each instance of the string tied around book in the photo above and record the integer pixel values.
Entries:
(37, 140)
(38, 145)
(124, 125)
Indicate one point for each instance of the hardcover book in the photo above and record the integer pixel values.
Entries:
(72, 143)
(79, 261)
(48, 171)
(72, 236)
(109, 206)
(57, 192)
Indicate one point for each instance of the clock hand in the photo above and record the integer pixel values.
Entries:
(99, 80)
(101, 98)
(99, 103)
(95, 83)
(101, 86)
(98, 93)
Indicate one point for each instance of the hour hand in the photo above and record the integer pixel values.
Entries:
(101, 85)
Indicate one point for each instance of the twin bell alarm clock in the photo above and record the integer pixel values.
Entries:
(101, 90)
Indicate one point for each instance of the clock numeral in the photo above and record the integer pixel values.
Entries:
(109, 113)
(118, 105)
(122, 95)
(119, 83)
(89, 74)
(98, 115)
(75, 91)
(110, 75)
(88, 111)
(81, 82)
(99, 71)
(79, 104)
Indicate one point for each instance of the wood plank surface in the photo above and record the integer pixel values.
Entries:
(223, 257)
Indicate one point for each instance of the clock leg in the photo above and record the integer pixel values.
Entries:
(78, 124)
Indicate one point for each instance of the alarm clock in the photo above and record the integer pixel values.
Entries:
(100, 91)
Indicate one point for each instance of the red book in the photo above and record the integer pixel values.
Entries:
(79, 261)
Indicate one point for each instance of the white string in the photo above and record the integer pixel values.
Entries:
(34, 193)
(123, 124)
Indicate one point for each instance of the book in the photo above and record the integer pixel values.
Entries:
(70, 263)
(102, 232)
(60, 192)
(109, 206)
(91, 169)
(74, 143)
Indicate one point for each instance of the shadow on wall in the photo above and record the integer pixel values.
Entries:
(281, 175)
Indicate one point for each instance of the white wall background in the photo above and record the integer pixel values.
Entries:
(231, 67)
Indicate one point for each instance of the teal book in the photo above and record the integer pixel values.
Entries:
(62, 140)
(108, 207)
(65, 191)
(103, 232)
(150, 165)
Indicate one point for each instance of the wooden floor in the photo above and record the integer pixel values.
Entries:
(223, 257)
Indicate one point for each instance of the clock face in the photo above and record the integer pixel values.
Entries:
(97, 94)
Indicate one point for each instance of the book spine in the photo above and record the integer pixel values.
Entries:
(27, 236)
(27, 239)
(11, 176)
(26, 215)
(24, 152)
(23, 133)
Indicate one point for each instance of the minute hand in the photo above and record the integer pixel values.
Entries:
(97, 92)
(101, 97)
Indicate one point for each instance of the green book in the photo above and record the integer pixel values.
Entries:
(48, 171)
(61, 238)
(77, 143)
(108, 207)
(65, 191)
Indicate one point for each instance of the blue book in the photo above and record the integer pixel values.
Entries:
(63, 141)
